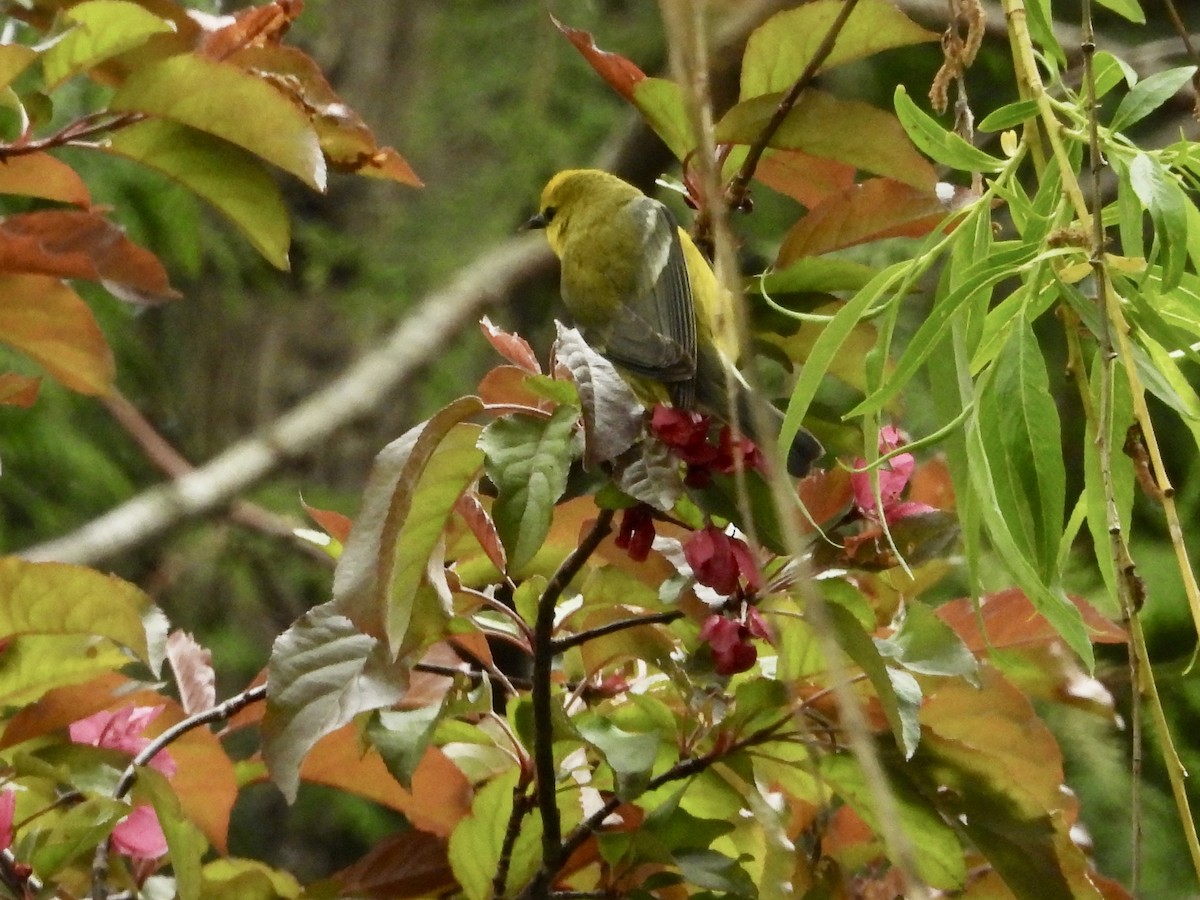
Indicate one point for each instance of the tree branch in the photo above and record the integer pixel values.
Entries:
(560, 645)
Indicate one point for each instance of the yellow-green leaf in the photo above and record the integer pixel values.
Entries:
(102, 29)
(225, 175)
(225, 101)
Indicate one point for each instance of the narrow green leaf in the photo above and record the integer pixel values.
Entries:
(1110, 71)
(779, 50)
(101, 30)
(528, 460)
(1127, 8)
(223, 100)
(1019, 422)
(186, 844)
(1120, 468)
(867, 137)
(1148, 95)
(1160, 193)
(1009, 116)
(814, 275)
(942, 146)
(231, 179)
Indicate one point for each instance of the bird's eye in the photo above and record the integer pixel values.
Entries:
(548, 214)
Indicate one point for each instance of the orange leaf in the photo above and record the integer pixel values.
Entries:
(621, 74)
(441, 794)
(42, 175)
(75, 244)
(43, 318)
(804, 177)
(511, 346)
(1011, 620)
(255, 26)
(336, 524)
(876, 208)
(18, 390)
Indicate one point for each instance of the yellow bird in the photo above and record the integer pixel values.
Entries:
(644, 296)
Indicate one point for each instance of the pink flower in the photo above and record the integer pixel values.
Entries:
(719, 561)
(122, 730)
(893, 479)
(8, 808)
(139, 834)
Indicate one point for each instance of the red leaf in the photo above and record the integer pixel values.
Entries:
(621, 74)
(1010, 620)
(471, 511)
(876, 208)
(255, 26)
(335, 524)
(511, 346)
(75, 244)
(43, 318)
(804, 177)
(18, 390)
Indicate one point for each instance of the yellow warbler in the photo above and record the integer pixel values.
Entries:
(643, 295)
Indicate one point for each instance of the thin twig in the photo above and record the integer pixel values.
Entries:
(561, 645)
(217, 713)
(543, 663)
(520, 807)
(735, 194)
(78, 131)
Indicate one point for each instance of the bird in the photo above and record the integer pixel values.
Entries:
(643, 296)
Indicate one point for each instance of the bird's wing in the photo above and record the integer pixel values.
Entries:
(655, 334)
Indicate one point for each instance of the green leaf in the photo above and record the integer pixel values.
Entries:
(938, 854)
(75, 833)
(33, 664)
(867, 137)
(661, 104)
(1009, 116)
(232, 180)
(1019, 421)
(1167, 204)
(477, 840)
(14, 59)
(186, 844)
(415, 525)
(248, 879)
(1127, 8)
(1120, 467)
(402, 736)
(928, 646)
(901, 708)
(1148, 95)
(322, 673)
(942, 146)
(1109, 71)
(101, 30)
(223, 100)
(57, 598)
(528, 460)
(779, 50)
(716, 872)
(629, 754)
(813, 275)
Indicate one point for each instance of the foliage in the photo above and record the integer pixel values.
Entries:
(736, 684)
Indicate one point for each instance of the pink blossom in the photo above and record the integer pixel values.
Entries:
(720, 561)
(729, 640)
(893, 479)
(139, 834)
(8, 808)
(122, 730)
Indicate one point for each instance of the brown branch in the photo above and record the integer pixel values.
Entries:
(561, 645)
(543, 663)
(89, 126)
(521, 806)
(735, 194)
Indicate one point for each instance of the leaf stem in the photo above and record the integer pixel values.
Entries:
(582, 637)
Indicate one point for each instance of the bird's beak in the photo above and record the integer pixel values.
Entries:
(538, 221)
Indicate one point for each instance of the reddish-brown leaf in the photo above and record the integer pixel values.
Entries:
(1011, 620)
(511, 346)
(42, 175)
(69, 243)
(255, 26)
(876, 208)
(621, 74)
(336, 524)
(803, 177)
(471, 511)
(18, 390)
(194, 675)
(409, 864)
(348, 144)
(43, 318)
(507, 386)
